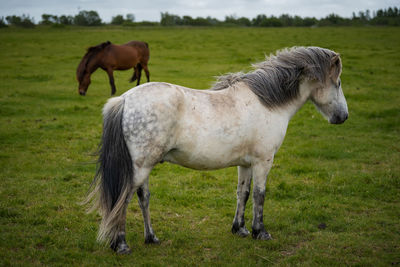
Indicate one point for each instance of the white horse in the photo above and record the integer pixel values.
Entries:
(241, 121)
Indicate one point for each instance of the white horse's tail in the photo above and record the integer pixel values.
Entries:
(113, 180)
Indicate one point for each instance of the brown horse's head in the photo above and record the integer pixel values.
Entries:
(88, 65)
(84, 83)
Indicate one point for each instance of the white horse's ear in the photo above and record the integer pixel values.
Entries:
(335, 57)
(336, 67)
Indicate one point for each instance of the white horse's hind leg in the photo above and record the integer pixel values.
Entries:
(144, 198)
(140, 185)
(260, 172)
(243, 192)
(119, 245)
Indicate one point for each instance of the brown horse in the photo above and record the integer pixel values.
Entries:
(110, 57)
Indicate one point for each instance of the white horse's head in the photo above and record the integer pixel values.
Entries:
(329, 98)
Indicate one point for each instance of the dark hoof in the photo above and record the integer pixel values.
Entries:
(120, 246)
(242, 231)
(262, 236)
(152, 240)
(123, 249)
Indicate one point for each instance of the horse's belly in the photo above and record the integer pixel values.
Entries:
(206, 161)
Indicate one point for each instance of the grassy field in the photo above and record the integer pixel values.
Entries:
(344, 177)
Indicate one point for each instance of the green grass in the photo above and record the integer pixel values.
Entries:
(345, 177)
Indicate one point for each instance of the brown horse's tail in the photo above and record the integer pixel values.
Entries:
(114, 177)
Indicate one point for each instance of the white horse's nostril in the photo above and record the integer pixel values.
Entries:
(338, 119)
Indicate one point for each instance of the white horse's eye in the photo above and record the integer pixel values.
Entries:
(340, 83)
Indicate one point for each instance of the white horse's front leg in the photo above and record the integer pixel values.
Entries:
(243, 192)
(260, 172)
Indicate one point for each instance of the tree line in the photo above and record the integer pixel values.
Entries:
(384, 17)
(388, 17)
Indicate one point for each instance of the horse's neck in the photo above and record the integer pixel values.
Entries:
(291, 108)
(286, 111)
(93, 64)
(93, 67)
(242, 93)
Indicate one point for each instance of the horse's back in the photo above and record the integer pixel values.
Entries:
(141, 47)
(153, 93)
(138, 44)
(122, 57)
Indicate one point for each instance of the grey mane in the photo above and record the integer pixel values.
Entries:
(276, 80)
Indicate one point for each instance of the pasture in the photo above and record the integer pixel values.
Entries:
(333, 194)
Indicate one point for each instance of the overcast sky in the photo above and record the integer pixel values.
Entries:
(151, 9)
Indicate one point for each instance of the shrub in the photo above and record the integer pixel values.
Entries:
(24, 21)
(87, 18)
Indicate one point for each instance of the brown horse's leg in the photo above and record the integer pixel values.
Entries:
(146, 69)
(111, 77)
(138, 73)
(134, 75)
